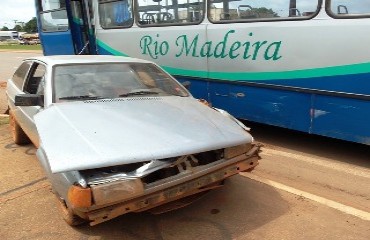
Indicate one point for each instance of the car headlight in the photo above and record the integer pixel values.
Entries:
(117, 191)
(79, 197)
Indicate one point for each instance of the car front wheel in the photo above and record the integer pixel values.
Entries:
(19, 137)
(68, 216)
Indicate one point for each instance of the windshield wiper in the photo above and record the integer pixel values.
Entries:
(82, 97)
(142, 92)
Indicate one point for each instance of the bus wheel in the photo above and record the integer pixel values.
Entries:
(19, 137)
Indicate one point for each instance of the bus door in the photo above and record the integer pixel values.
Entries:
(81, 26)
(59, 30)
(53, 25)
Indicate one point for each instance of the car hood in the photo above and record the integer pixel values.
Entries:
(103, 133)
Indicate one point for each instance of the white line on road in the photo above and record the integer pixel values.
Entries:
(341, 207)
(341, 167)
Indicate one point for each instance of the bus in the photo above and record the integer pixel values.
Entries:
(8, 35)
(297, 64)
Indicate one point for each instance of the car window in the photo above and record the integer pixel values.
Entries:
(112, 80)
(35, 80)
(21, 74)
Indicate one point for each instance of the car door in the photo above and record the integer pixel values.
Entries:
(34, 84)
(15, 85)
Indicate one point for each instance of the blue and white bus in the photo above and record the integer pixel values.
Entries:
(297, 64)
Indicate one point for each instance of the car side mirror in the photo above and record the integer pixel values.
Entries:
(28, 100)
(186, 84)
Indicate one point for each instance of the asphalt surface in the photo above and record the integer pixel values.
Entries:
(306, 187)
(9, 62)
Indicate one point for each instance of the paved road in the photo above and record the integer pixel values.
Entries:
(9, 61)
(306, 187)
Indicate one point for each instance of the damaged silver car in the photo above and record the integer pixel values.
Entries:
(118, 135)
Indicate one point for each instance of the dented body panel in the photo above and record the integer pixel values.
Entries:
(126, 138)
(102, 134)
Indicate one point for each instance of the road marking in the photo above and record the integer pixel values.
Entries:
(327, 202)
(341, 167)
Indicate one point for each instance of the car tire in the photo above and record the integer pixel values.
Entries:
(18, 135)
(68, 216)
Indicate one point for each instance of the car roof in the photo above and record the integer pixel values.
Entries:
(85, 59)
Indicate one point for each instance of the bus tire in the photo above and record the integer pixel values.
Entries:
(18, 135)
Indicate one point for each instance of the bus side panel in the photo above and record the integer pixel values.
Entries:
(198, 88)
(173, 48)
(57, 43)
(342, 118)
(275, 107)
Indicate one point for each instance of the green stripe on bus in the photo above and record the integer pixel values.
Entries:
(110, 49)
(240, 76)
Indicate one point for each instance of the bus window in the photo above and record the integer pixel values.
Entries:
(257, 10)
(48, 5)
(348, 9)
(53, 15)
(115, 14)
(170, 12)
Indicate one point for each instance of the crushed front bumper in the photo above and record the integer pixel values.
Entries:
(177, 187)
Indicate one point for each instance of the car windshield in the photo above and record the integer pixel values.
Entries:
(112, 80)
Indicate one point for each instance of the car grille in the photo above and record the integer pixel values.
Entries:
(154, 170)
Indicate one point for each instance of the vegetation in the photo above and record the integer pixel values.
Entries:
(265, 12)
(29, 27)
(4, 120)
(21, 47)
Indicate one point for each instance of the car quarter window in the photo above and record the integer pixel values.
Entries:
(21, 74)
(35, 81)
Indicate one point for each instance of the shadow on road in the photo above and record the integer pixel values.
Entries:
(343, 151)
(228, 213)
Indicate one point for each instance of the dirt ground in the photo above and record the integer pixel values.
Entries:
(245, 208)
(3, 101)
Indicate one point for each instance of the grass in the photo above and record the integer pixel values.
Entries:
(4, 120)
(20, 47)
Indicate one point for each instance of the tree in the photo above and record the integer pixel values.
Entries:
(18, 28)
(5, 28)
(31, 26)
(264, 12)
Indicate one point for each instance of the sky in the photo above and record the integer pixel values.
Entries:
(24, 10)
(20, 10)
